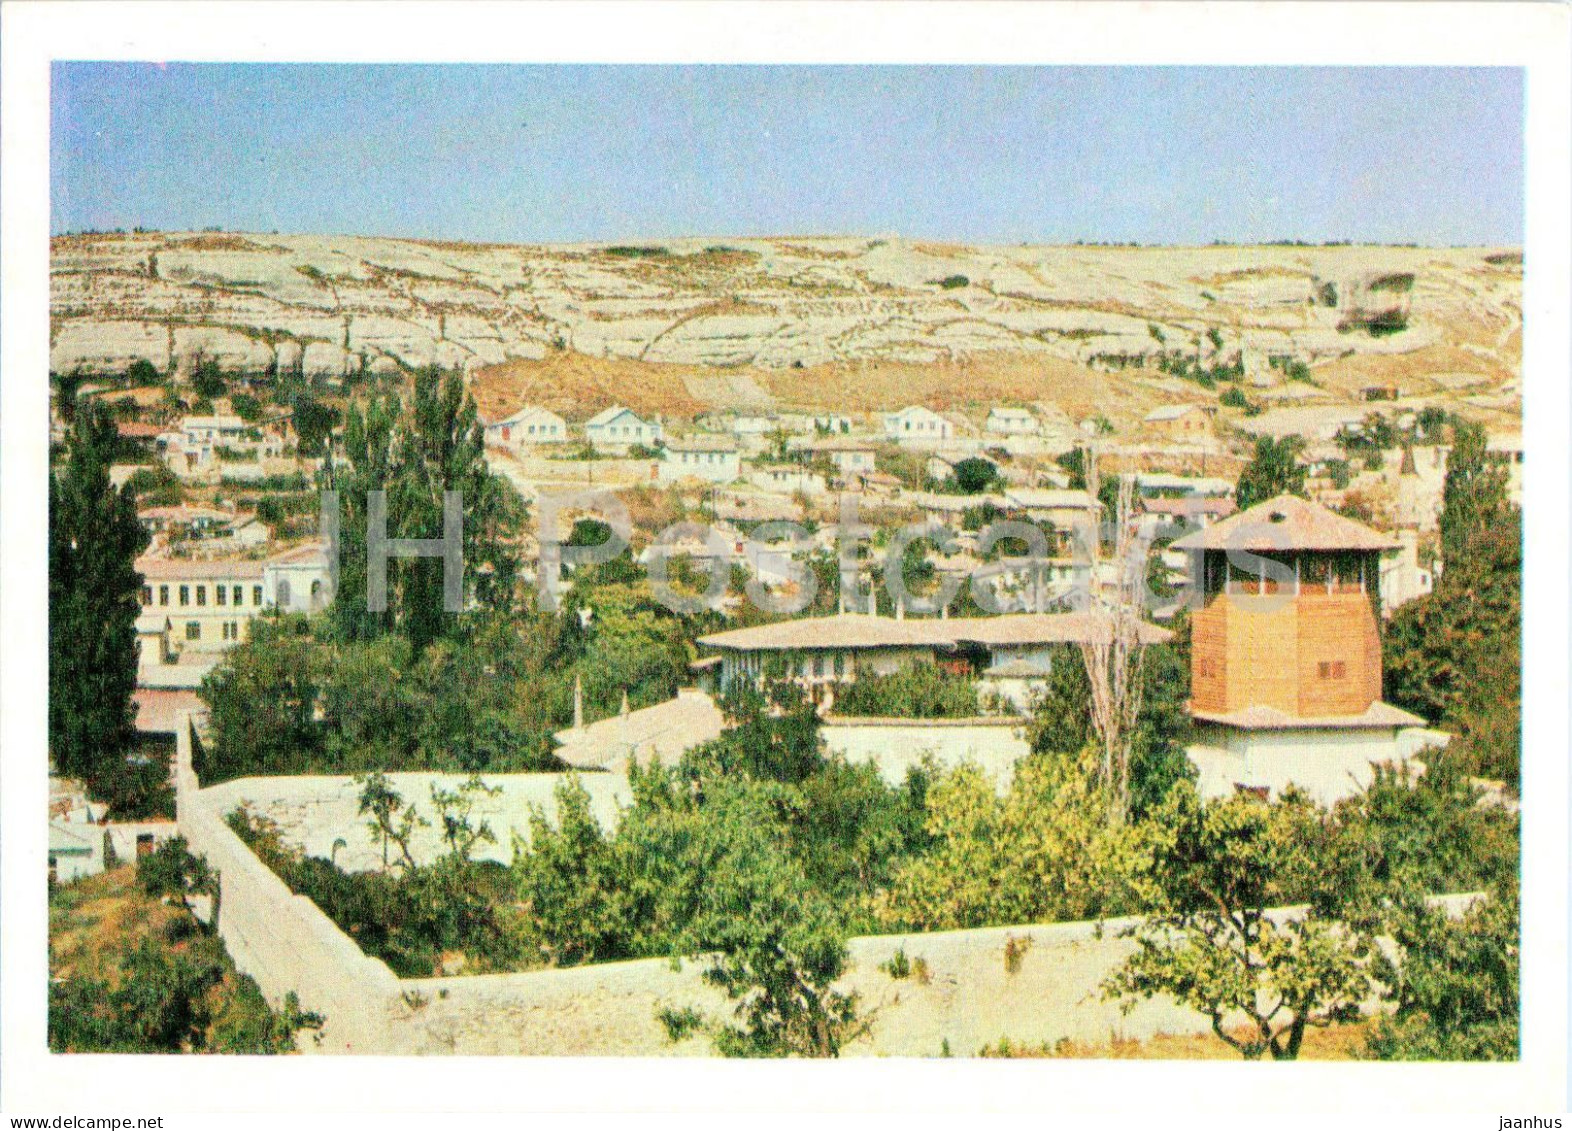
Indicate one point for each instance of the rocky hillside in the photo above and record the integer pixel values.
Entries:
(698, 324)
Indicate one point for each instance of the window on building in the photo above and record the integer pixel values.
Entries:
(281, 594)
(201, 594)
(1332, 669)
(256, 595)
(147, 594)
(193, 630)
(185, 595)
(238, 593)
(221, 594)
(163, 594)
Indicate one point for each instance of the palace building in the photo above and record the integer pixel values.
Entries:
(1285, 668)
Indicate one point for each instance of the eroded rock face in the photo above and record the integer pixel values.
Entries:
(332, 304)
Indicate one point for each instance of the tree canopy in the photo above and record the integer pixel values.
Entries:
(94, 600)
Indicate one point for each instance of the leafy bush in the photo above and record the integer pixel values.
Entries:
(916, 691)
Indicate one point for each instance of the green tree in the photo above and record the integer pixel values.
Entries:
(143, 372)
(1454, 982)
(1273, 470)
(416, 455)
(207, 378)
(915, 691)
(94, 600)
(261, 704)
(313, 421)
(1214, 870)
(974, 476)
(1062, 722)
(1453, 655)
(67, 387)
(172, 870)
(1044, 851)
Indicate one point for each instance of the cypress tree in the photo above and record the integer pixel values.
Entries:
(94, 588)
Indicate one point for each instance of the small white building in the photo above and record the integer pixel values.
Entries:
(75, 850)
(852, 457)
(618, 428)
(298, 580)
(917, 425)
(712, 459)
(1402, 577)
(1011, 422)
(821, 423)
(527, 426)
(789, 479)
(754, 425)
(206, 605)
(1065, 509)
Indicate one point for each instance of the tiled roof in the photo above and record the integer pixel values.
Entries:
(1286, 523)
(1378, 715)
(663, 731)
(605, 416)
(1042, 628)
(158, 710)
(1051, 497)
(844, 630)
(701, 444)
(1193, 504)
(835, 444)
(311, 553)
(859, 630)
(190, 569)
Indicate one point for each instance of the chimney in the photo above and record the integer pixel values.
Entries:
(578, 702)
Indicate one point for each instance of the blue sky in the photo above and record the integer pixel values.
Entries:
(539, 154)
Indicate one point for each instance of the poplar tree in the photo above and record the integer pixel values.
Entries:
(94, 538)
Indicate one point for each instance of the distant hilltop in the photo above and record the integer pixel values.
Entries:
(755, 322)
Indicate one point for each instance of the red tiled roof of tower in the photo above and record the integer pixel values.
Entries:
(1286, 523)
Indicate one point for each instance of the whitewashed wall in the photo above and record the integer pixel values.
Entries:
(897, 745)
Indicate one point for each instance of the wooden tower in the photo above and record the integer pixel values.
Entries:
(1300, 642)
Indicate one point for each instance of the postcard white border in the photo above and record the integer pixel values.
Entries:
(1533, 36)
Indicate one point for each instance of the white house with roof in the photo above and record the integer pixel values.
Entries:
(852, 457)
(298, 580)
(528, 426)
(1065, 508)
(1010, 422)
(815, 651)
(822, 423)
(618, 428)
(206, 605)
(917, 425)
(751, 425)
(709, 458)
(788, 479)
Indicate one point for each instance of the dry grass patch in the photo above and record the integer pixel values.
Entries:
(1340, 1042)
